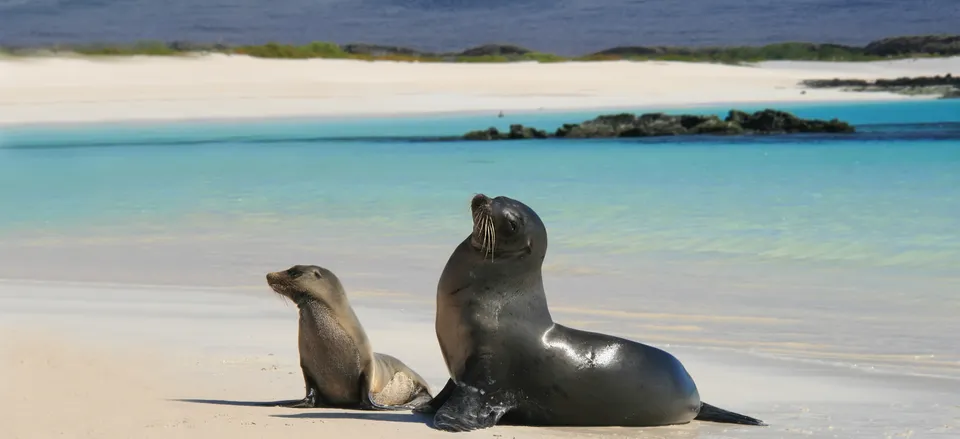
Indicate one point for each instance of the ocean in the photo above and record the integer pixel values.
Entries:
(566, 27)
(782, 236)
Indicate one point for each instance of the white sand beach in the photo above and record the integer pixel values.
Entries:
(53, 90)
(110, 362)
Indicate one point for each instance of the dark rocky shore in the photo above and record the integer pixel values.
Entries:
(659, 124)
(895, 47)
(947, 86)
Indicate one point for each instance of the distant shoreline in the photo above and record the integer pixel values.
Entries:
(84, 89)
(897, 47)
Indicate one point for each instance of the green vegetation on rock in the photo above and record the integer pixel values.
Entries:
(888, 48)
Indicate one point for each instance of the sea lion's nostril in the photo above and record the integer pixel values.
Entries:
(479, 200)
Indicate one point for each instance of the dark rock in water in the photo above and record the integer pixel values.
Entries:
(517, 131)
(487, 134)
(919, 85)
(660, 124)
(955, 94)
(774, 121)
(716, 126)
(916, 81)
(834, 83)
(738, 117)
(926, 44)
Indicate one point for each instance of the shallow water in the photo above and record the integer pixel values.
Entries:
(839, 250)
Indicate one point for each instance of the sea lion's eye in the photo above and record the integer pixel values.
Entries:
(513, 224)
(293, 273)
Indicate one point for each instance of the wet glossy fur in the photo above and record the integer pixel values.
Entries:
(510, 363)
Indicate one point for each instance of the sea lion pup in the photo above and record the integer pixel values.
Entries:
(339, 367)
(510, 362)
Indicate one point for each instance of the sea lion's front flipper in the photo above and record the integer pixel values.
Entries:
(308, 402)
(437, 401)
(469, 408)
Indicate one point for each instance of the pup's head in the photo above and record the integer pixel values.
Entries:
(306, 282)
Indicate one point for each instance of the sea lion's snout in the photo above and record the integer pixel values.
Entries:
(484, 236)
(274, 277)
(279, 281)
(480, 202)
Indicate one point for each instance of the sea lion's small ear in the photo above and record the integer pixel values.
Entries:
(317, 274)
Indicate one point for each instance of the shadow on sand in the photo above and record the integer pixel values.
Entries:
(234, 403)
(403, 417)
(388, 416)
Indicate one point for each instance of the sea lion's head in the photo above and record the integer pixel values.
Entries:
(506, 229)
(306, 282)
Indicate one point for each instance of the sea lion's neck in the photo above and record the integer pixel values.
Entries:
(531, 302)
(520, 297)
(304, 301)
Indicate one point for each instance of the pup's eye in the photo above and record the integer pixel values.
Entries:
(513, 224)
(293, 273)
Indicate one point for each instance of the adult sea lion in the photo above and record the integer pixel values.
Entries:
(510, 362)
(339, 367)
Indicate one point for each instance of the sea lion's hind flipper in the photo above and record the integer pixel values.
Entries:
(369, 403)
(434, 404)
(716, 414)
(469, 409)
(422, 399)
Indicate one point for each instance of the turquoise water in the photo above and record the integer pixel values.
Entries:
(887, 197)
(833, 249)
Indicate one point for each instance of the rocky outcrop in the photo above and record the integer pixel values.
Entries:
(495, 50)
(516, 132)
(645, 51)
(659, 124)
(955, 94)
(918, 44)
(945, 86)
(378, 50)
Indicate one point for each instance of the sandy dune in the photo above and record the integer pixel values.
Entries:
(220, 86)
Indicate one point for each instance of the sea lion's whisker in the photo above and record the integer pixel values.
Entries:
(485, 233)
(482, 231)
(493, 238)
(486, 227)
(491, 235)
